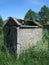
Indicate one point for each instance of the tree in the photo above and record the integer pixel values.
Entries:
(30, 15)
(1, 21)
(44, 14)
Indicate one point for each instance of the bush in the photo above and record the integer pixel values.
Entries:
(0, 30)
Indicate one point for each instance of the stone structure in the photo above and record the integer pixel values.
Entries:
(18, 36)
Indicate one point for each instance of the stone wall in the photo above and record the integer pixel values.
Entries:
(26, 38)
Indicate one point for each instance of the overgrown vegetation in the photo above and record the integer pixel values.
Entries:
(37, 55)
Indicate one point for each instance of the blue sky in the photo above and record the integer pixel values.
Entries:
(18, 8)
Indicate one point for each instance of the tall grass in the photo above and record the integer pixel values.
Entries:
(37, 55)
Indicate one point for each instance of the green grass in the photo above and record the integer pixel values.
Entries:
(31, 57)
(37, 55)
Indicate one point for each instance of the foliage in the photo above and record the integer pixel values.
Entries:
(1, 21)
(46, 37)
(44, 14)
(0, 30)
(31, 57)
(30, 15)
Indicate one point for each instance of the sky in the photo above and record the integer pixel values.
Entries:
(18, 8)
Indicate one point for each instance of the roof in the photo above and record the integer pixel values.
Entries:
(19, 22)
(15, 20)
